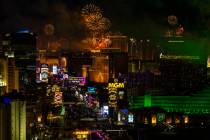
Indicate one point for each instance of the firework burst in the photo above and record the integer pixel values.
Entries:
(98, 24)
(172, 20)
(91, 12)
(49, 29)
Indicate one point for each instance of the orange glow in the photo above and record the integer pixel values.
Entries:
(100, 77)
(84, 71)
(119, 41)
(103, 43)
(154, 119)
(99, 71)
(50, 62)
(186, 119)
(97, 76)
(54, 45)
(81, 132)
(63, 62)
(177, 120)
(95, 51)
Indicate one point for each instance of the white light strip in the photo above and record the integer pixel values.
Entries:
(179, 41)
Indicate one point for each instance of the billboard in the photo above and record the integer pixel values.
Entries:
(55, 69)
(105, 110)
(77, 80)
(114, 93)
(91, 89)
(44, 73)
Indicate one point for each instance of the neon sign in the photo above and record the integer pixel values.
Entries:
(113, 93)
(130, 118)
(44, 73)
(77, 80)
(116, 85)
(112, 99)
(91, 89)
(55, 69)
(81, 134)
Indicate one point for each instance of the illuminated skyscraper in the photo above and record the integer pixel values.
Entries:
(9, 75)
(18, 120)
(20, 49)
(17, 72)
(12, 119)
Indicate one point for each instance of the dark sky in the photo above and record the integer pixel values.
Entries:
(130, 17)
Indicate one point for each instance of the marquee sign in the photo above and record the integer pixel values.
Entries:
(116, 85)
(44, 73)
(77, 80)
(113, 93)
(81, 134)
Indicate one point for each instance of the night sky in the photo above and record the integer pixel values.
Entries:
(130, 17)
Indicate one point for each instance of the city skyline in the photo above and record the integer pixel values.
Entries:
(104, 69)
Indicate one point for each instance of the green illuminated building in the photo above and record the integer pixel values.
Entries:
(182, 66)
(183, 76)
(195, 104)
